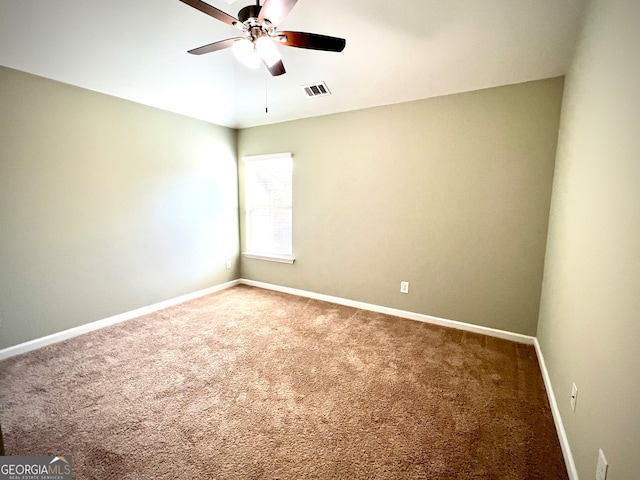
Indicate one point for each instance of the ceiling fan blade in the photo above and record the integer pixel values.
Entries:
(212, 11)
(215, 46)
(276, 10)
(312, 41)
(276, 69)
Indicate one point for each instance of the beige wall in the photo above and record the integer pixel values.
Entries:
(105, 206)
(589, 327)
(451, 194)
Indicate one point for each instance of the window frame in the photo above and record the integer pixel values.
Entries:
(254, 254)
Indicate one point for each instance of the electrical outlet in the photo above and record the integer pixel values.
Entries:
(228, 264)
(574, 396)
(601, 468)
(404, 287)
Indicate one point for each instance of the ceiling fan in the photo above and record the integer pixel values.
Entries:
(260, 36)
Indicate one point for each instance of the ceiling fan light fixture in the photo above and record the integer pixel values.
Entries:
(245, 52)
(258, 24)
(267, 51)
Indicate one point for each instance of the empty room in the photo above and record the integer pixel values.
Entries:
(297, 239)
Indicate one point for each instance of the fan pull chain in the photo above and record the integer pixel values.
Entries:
(266, 90)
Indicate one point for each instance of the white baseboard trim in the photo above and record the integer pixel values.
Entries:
(557, 419)
(443, 322)
(105, 322)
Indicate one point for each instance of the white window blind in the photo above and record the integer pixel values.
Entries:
(268, 206)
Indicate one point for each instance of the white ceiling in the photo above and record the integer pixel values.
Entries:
(396, 51)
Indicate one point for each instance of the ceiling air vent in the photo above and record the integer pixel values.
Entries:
(318, 89)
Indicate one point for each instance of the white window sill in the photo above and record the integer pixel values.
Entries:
(270, 258)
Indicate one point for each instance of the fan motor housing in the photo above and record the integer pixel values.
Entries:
(250, 12)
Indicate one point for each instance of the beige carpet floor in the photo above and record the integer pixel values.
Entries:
(254, 384)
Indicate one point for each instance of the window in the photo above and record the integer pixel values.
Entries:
(268, 202)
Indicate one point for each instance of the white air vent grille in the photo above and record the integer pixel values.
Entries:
(318, 89)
